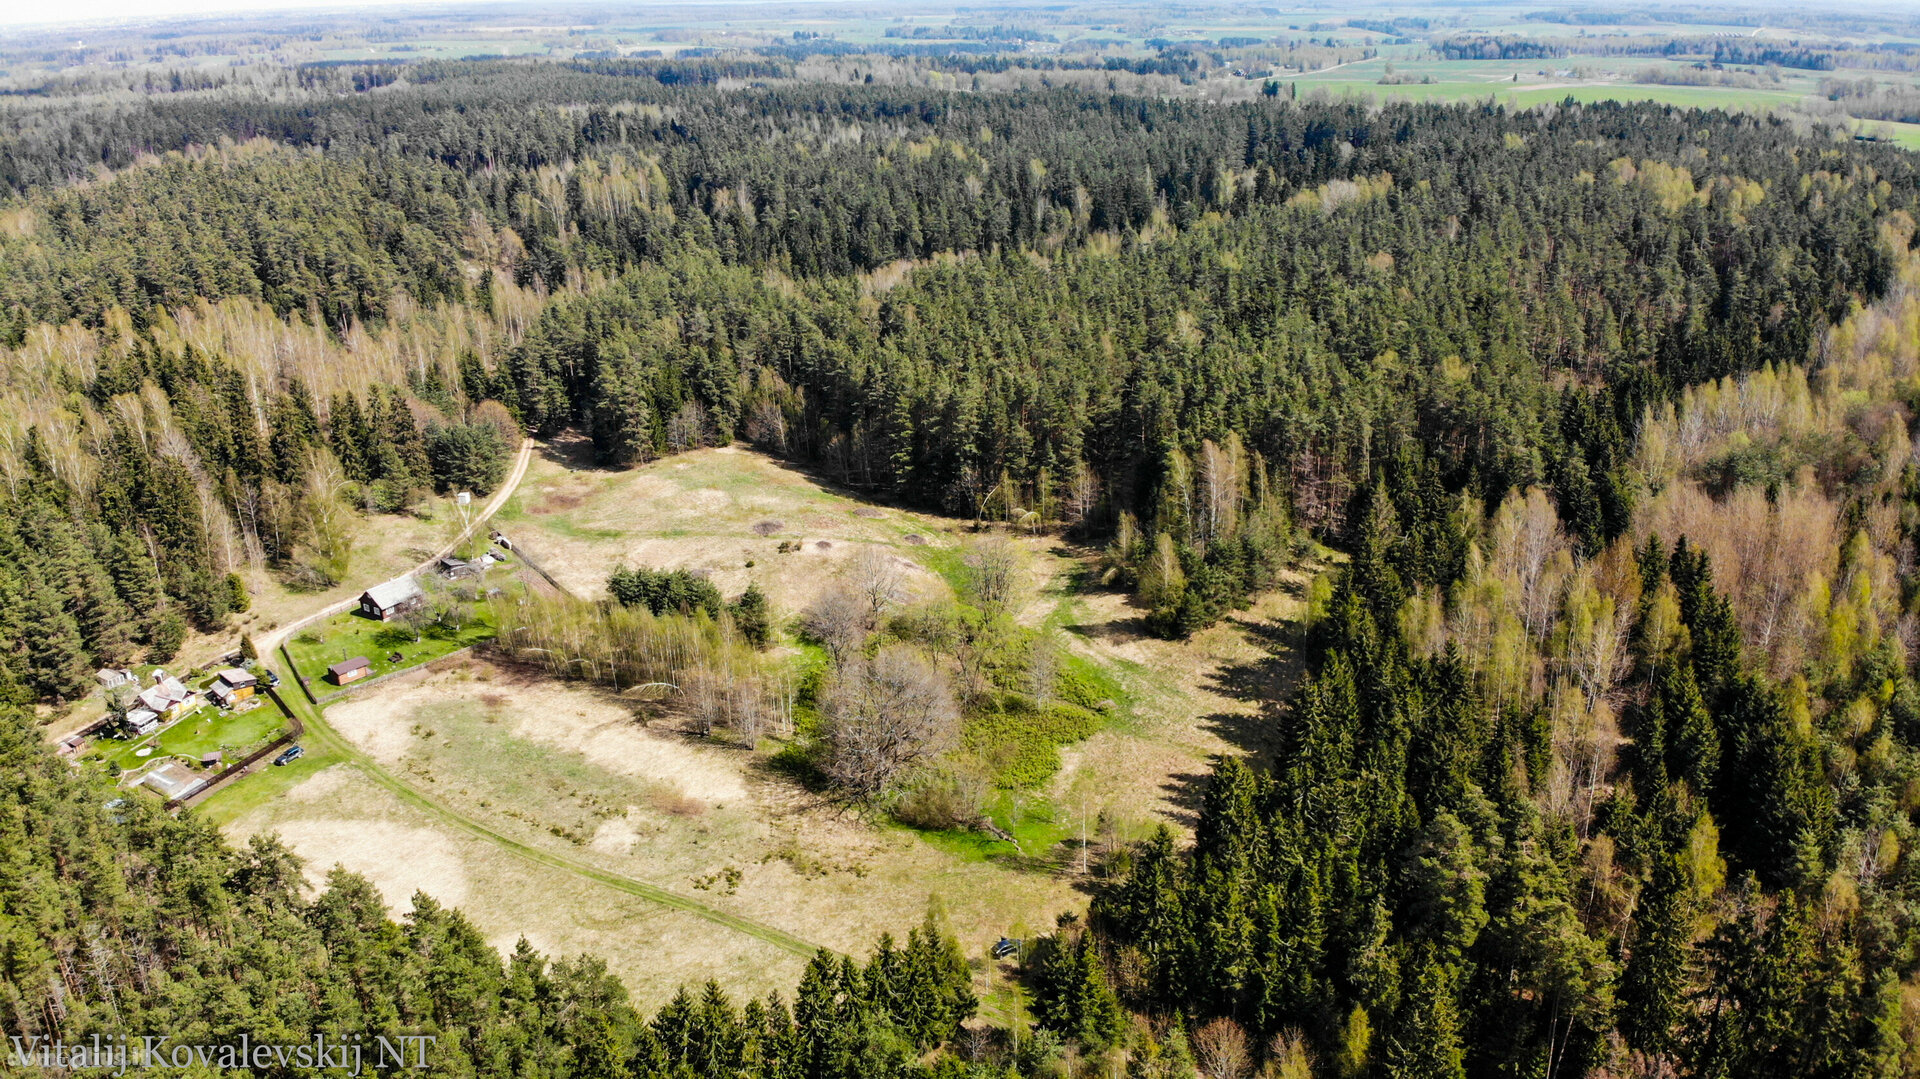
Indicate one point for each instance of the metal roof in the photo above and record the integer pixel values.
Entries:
(394, 592)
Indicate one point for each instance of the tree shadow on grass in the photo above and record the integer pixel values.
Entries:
(394, 638)
(1118, 630)
(1185, 792)
(573, 450)
(1267, 681)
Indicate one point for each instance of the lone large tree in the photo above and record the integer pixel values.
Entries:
(883, 715)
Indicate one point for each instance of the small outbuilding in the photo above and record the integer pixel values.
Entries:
(172, 781)
(233, 686)
(114, 677)
(350, 670)
(457, 569)
(396, 597)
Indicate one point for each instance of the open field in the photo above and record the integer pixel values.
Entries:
(1522, 95)
(1250, 45)
(1907, 135)
(1179, 703)
(533, 804)
(723, 512)
(1523, 83)
(335, 815)
(573, 771)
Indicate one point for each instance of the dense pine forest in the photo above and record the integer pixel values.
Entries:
(1607, 755)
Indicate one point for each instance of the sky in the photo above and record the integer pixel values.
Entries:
(30, 12)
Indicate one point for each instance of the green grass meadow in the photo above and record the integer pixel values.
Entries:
(345, 636)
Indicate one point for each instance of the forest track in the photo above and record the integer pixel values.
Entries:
(319, 732)
(271, 641)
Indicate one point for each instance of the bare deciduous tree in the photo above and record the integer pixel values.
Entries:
(1532, 553)
(706, 699)
(1220, 1050)
(1043, 665)
(1289, 1056)
(687, 428)
(1764, 553)
(767, 426)
(1083, 493)
(877, 578)
(993, 574)
(325, 518)
(1222, 487)
(718, 699)
(1594, 638)
(884, 715)
(839, 619)
(416, 619)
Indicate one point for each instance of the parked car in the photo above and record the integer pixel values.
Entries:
(270, 677)
(293, 753)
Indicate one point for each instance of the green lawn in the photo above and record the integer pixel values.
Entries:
(1038, 825)
(1522, 95)
(347, 635)
(1905, 135)
(267, 782)
(201, 732)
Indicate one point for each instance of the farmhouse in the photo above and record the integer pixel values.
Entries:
(233, 686)
(396, 597)
(350, 670)
(163, 702)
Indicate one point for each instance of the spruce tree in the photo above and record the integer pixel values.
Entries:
(56, 660)
(752, 616)
(1653, 1001)
(1425, 1041)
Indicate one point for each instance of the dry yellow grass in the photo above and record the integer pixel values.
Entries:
(1190, 701)
(338, 817)
(578, 773)
(573, 770)
(699, 511)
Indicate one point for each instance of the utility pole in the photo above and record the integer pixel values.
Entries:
(1083, 836)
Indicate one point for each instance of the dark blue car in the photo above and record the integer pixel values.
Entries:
(292, 754)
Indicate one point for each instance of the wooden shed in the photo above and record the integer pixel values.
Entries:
(350, 670)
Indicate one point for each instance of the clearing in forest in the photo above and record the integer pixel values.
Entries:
(577, 772)
(606, 781)
(713, 511)
(725, 512)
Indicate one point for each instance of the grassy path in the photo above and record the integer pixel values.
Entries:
(326, 737)
(299, 698)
